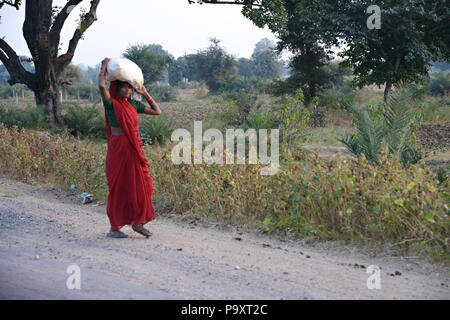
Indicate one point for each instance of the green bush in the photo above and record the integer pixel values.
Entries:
(436, 108)
(337, 98)
(295, 115)
(59, 159)
(159, 127)
(35, 118)
(235, 84)
(85, 121)
(31, 117)
(317, 116)
(440, 84)
(162, 92)
(227, 116)
(394, 124)
(10, 117)
(246, 101)
(282, 87)
(258, 119)
(348, 200)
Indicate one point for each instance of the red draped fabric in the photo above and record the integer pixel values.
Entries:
(127, 170)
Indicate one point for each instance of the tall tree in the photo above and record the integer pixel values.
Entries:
(412, 34)
(245, 68)
(214, 64)
(151, 58)
(265, 60)
(298, 25)
(178, 71)
(41, 30)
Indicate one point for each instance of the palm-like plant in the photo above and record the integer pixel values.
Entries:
(391, 124)
(159, 127)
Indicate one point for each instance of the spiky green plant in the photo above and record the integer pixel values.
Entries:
(159, 127)
(390, 123)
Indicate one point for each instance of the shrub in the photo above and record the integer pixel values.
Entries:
(317, 116)
(201, 92)
(337, 98)
(245, 101)
(258, 119)
(439, 85)
(158, 127)
(394, 124)
(295, 116)
(85, 121)
(11, 116)
(60, 159)
(236, 84)
(35, 118)
(32, 117)
(162, 92)
(436, 109)
(228, 115)
(351, 200)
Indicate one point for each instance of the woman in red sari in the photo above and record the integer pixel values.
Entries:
(127, 170)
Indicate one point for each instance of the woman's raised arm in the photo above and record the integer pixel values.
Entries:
(102, 81)
(154, 108)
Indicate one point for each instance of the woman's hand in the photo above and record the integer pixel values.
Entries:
(102, 81)
(105, 63)
(142, 90)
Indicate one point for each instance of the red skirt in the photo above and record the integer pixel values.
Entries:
(130, 185)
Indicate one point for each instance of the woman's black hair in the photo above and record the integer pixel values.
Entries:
(119, 84)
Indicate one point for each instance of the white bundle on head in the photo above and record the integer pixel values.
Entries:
(124, 69)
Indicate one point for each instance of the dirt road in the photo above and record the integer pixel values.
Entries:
(185, 258)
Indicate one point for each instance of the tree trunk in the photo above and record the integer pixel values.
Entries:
(312, 90)
(387, 92)
(41, 30)
(48, 95)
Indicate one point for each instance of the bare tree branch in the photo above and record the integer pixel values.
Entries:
(86, 22)
(60, 20)
(15, 4)
(16, 71)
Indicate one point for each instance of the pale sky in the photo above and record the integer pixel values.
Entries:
(180, 28)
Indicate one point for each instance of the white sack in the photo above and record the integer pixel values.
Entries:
(125, 70)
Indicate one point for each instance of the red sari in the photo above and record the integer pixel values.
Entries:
(127, 170)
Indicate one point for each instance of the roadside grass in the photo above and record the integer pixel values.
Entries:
(309, 197)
